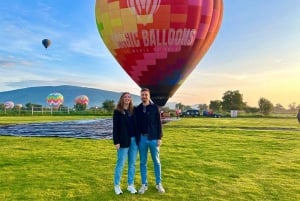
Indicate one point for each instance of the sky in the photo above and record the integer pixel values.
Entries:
(257, 51)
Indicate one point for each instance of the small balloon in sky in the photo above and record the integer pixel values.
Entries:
(46, 43)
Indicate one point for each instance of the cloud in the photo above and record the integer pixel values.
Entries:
(11, 61)
(7, 63)
(89, 47)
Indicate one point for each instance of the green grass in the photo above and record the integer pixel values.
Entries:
(202, 159)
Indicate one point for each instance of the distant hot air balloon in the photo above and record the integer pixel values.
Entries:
(46, 43)
(158, 42)
(9, 104)
(82, 99)
(55, 99)
(18, 105)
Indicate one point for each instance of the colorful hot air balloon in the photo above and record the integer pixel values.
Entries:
(82, 99)
(158, 42)
(55, 99)
(46, 43)
(9, 105)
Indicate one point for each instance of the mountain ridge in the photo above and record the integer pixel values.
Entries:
(38, 94)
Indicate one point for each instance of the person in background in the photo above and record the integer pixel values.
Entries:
(124, 140)
(298, 116)
(149, 133)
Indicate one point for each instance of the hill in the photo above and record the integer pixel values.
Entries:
(37, 95)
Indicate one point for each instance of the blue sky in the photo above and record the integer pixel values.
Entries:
(257, 51)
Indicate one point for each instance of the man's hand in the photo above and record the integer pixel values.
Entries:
(117, 146)
(159, 142)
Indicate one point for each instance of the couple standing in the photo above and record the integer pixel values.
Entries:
(137, 129)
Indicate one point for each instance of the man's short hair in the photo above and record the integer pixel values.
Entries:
(145, 89)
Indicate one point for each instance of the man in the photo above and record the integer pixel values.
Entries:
(149, 135)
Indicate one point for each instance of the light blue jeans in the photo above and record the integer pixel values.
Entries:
(122, 154)
(144, 145)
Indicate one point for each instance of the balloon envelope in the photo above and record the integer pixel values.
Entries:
(9, 104)
(46, 43)
(158, 42)
(55, 99)
(82, 99)
(19, 105)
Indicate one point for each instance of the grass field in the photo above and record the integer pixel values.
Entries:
(202, 159)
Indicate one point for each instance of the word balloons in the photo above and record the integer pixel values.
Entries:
(158, 42)
(55, 99)
(46, 43)
(9, 104)
(82, 99)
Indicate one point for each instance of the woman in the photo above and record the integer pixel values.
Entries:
(125, 142)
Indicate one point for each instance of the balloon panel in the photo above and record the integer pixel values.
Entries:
(158, 43)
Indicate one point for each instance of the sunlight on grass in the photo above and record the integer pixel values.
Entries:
(202, 159)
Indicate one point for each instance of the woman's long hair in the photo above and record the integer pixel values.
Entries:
(120, 105)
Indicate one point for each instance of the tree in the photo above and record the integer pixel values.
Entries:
(28, 105)
(215, 105)
(35, 107)
(182, 107)
(187, 107)
(292, 106)
(108, 105)
(179, 106)
(80, 107)
(232, 100)
(249, 109)
(279, 108)
(202, 107)
(265, 106)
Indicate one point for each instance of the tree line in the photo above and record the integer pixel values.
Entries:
(233, 100)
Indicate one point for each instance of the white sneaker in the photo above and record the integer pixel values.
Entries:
(118, 190)
(160, 188)
(131, 189)
(143, 188)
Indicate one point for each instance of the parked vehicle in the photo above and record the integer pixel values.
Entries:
(190, 113)
(211, 114)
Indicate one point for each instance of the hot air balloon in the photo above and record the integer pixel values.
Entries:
(9, 105)
(158, 42)
(46, 43)
(82, 99)
(55, 99)
(19, 105)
